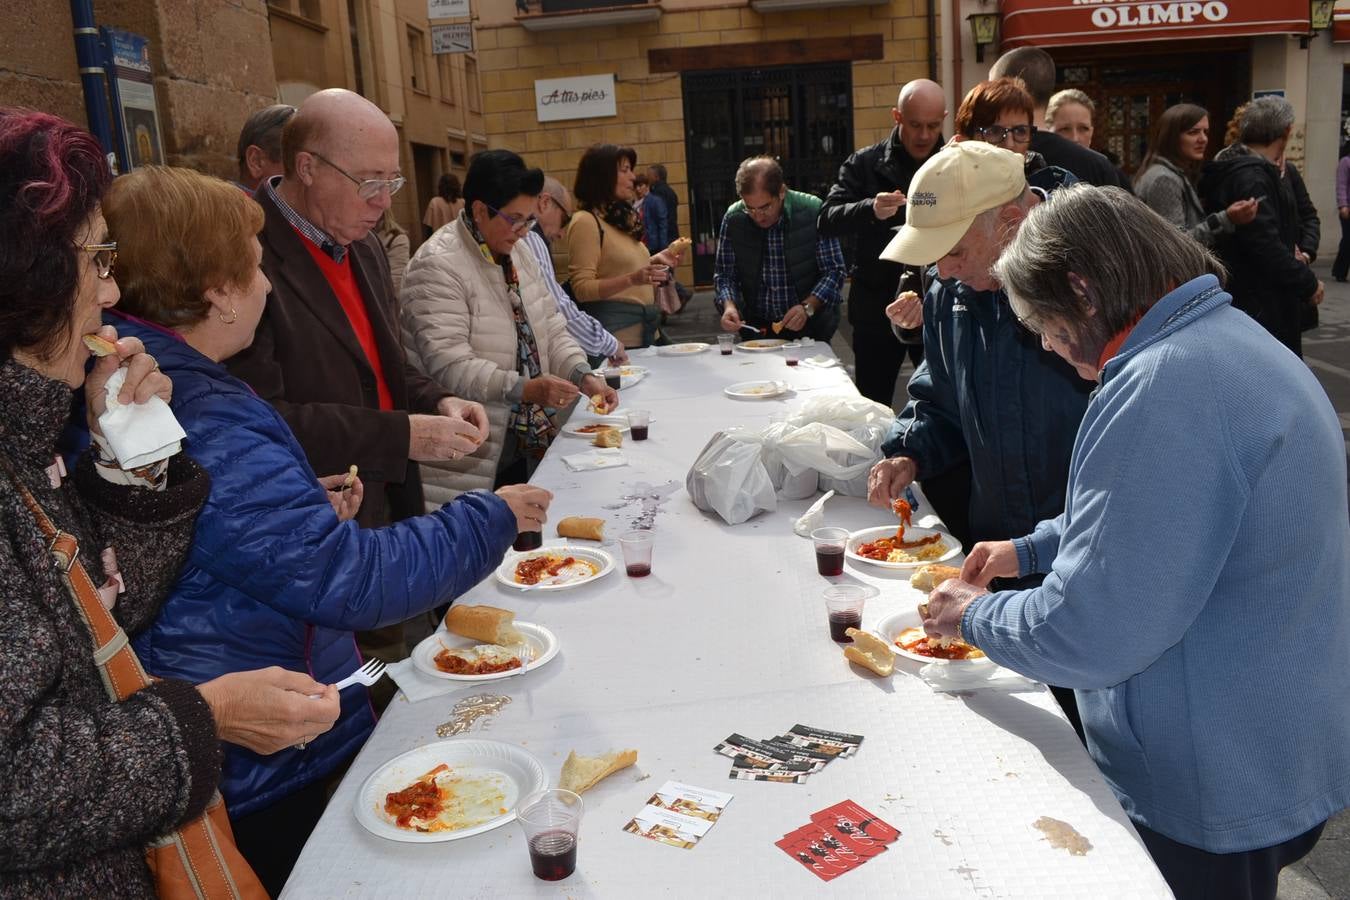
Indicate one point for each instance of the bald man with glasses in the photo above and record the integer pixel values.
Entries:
(327, 353)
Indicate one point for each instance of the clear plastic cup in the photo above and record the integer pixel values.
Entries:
(830, 544)
(551, 820)
(844, 609)
(637, 553)
(639, 423)
(725, 342)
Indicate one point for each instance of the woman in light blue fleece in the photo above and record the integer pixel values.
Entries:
(1198, 587)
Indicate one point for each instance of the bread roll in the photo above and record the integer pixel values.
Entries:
(581, 773)
(598, 404)
(587, 529)
(483, 623)
(99, 346)
(679, 245)
(608, 437)
(930, 576)
(870, 652)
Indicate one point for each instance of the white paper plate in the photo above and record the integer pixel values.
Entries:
(756, 390)
(762, 345)
(506, 572)
(519, 772)
(573, 426)
(858, 538)
(543, 644)
(891, 627)
(631, 375)
(687, 349)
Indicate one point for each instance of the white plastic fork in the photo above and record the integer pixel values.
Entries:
(368, 674)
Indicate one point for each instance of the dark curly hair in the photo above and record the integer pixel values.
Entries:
(52, 176)
(597, 177)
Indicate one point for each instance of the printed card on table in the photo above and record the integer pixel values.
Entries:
(678, 814)
(838, 839)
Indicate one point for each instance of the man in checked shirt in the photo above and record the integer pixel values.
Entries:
(774, 273)
(555, 210)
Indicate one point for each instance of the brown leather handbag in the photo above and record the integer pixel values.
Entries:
(199, 859)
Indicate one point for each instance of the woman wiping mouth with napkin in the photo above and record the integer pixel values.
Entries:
(275, 576)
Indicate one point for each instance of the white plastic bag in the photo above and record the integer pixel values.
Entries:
(825, 450)
(794, 484)
(729, 478)
(865, 421)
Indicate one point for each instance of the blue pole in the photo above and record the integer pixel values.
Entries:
(92, 73)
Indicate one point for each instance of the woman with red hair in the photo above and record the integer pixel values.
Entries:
(89, 781)
(1000, 112)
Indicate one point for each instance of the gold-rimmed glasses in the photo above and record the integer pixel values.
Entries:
(105, 257)
(369, 188)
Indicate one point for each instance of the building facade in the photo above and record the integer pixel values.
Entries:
(700, 86)
(1135, 60)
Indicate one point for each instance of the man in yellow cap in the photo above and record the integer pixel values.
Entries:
(986, 392)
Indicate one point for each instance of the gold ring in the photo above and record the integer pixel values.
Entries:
(300, 745)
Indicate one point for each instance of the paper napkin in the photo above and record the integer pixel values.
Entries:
(139, 433)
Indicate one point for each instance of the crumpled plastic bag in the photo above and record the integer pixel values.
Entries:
(865, 421)
(791, 484)
(729, 478)
(832, 455)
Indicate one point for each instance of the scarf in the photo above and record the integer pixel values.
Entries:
(529, 422)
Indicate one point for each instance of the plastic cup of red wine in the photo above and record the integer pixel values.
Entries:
(637, 553)
(844, 609)
(830, 544)
(725, 342)
(639, 423)
(551, 820)
(792, 356)
(613, 377)
(528, 540)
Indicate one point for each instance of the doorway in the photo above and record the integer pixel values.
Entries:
(802, 115)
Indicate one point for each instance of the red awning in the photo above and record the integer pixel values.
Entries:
(1049, 23)
(1340, 26)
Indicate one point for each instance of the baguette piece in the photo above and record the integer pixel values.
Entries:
(483, 623)
(870, 652)
(583, 527)
(99, 345)
(679, 245)
(608, 437)
(930, 576)
(581, 773)
(598, 403)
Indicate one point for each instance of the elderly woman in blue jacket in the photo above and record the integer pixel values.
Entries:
(1198, 576)
(278, 574)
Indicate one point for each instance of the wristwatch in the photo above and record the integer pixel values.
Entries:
(810, 310)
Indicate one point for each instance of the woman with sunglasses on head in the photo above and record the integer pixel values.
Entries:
(480, 321)
(1168, 175)
(1000, 112)
(613, 274)
(90, 781)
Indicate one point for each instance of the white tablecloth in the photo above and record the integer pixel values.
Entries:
(728, 635)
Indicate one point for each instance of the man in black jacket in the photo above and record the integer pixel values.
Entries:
(1267, 278)
(868, 202)
(1036, 68)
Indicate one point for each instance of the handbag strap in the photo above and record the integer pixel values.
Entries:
(117, 663)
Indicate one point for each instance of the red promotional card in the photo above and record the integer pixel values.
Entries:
(847, 818)
(805, 846)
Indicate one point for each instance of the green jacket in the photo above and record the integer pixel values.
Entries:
(799, 246)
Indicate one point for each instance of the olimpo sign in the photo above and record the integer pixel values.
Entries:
(1124, 15)
(1047, 23)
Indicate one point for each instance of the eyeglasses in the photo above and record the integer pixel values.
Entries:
(760, 210)
(996, 134)
(518, 224)
(105, 257)
(368, 189)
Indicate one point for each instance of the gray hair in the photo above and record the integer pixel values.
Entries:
(1126, 255)
(762, 172)
(1265, 121)
(1068, 95)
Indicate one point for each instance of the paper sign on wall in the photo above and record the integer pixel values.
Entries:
(583, 97)
(452, 38)
(447, 9)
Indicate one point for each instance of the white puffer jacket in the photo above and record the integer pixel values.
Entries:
(458, 329)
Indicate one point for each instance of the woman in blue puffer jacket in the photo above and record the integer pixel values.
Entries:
(278, 574)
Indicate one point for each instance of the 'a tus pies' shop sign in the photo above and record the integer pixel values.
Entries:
(1067, 22)
(583, 97)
